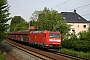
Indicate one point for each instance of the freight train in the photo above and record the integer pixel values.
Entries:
(45, 39)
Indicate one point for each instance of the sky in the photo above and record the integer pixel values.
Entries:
(25, 8)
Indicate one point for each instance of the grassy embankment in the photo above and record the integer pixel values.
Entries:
(1, 56)
(75, 53)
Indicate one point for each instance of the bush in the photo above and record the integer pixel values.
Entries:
(84, 35)
(78, 44)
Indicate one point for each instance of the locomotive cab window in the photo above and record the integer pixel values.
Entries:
(53, 35)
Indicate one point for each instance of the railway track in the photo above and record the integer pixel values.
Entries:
(42, 54)
(36, 52)
(17, 46)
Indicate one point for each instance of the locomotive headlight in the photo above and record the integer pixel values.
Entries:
(59, 40)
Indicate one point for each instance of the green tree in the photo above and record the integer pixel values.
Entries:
(32, 23)
(34, 17)
(22, 26)
(73, 36)
(83, 35)
(18, 23)
(4, 17)
(52, 20)
(15, 20)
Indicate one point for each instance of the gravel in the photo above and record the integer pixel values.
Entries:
(18, 54)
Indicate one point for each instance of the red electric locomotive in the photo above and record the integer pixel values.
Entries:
(44, 39)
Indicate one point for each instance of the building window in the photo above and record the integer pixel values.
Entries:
(84, 26)
(78, 25)
(79, 18)
(73, 29)
(64, 18)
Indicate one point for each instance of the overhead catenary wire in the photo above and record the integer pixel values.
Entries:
(73, 8)
(79, 7)
(62, 3)
(85, 14)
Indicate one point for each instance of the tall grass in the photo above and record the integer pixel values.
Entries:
(1, 56)
(75, 53)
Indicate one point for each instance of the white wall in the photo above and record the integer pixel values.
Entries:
(78, 27)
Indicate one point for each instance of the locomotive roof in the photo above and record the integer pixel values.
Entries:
(37, 31)
(28, 32)
(21, 32)
(44, 31)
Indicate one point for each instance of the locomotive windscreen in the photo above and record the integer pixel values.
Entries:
(54, 35)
